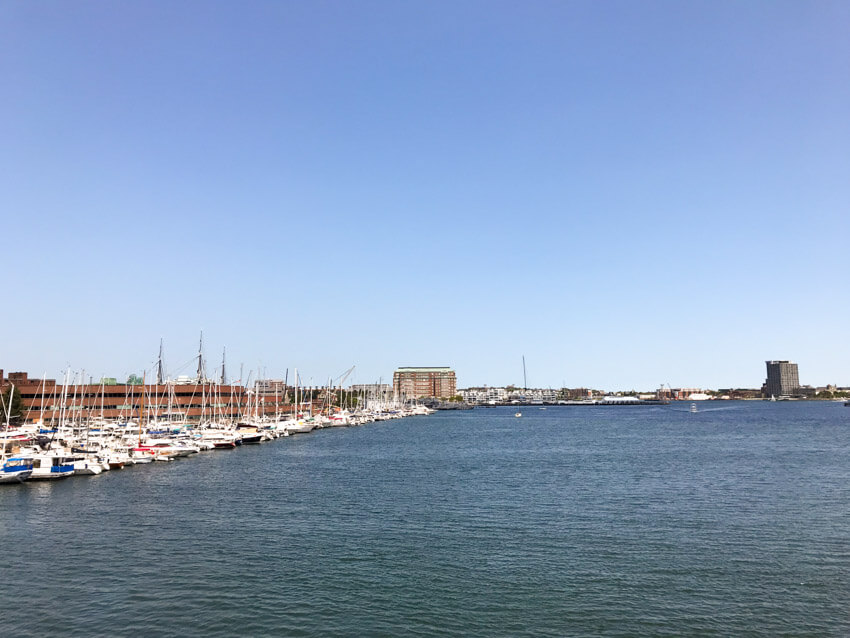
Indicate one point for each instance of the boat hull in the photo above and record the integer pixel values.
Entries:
(18, 476)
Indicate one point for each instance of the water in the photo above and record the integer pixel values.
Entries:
(571, 521)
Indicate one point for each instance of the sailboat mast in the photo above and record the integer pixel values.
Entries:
(142, 407)
(8, 409)
(159, 374)
(223, 359)
(201, 372)
(524, 378)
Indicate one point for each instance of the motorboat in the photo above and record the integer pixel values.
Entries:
(47, 465)
(249, 434)
(16, 468)
(299, 426)
(88, 465)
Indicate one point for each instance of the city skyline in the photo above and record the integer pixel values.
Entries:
(625, 194)
(241, 375)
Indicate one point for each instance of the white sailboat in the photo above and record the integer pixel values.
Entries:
(14, 468)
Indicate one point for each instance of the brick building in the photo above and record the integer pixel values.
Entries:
(425, 382)
(48, 401)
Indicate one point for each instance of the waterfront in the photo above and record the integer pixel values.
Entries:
(649, 520)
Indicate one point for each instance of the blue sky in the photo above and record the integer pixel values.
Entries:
(627, 193)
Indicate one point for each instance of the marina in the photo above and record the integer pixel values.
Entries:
(86, 445)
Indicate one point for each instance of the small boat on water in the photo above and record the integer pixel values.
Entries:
(693, 407)
(518, 414)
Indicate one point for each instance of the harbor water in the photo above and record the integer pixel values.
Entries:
(569, 521)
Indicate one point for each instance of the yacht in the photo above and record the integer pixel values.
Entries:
(299, 426)
(48, 465)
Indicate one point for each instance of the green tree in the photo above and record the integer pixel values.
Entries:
(134, 379)
(12, 405)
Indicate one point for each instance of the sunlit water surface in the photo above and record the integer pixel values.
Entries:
(569, 521)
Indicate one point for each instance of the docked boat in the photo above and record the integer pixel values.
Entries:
(141, 455)
(299, 426)
(249, 434)
(221, 439)
(16, 468)
(88, 465)
(52, 466)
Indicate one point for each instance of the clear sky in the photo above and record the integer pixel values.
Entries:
(627, 193)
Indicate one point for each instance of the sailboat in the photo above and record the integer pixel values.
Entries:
(14, 468)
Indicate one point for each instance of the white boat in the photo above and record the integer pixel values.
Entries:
(141, 456)
(221, 439)
(249, 433)
(16, 468)
(48, 465)
(171, 447)
(518, 414)
(298, 426)
(86, 465)
(693, 407)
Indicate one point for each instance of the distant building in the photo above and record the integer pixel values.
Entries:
(484, 395)
(577, 394)
(425, 382)
(782, 379)
(533, 395)
(45, 400)
(739, 393)
(272, 387)
(681, 394)
(371, 389)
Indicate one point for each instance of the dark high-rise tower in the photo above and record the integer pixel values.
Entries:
(782, 378)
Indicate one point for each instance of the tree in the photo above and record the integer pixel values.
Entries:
(134, 379)
(13, 405)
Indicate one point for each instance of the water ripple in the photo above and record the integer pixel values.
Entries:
(577, 522)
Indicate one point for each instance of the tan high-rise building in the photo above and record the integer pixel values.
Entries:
(425, 382)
